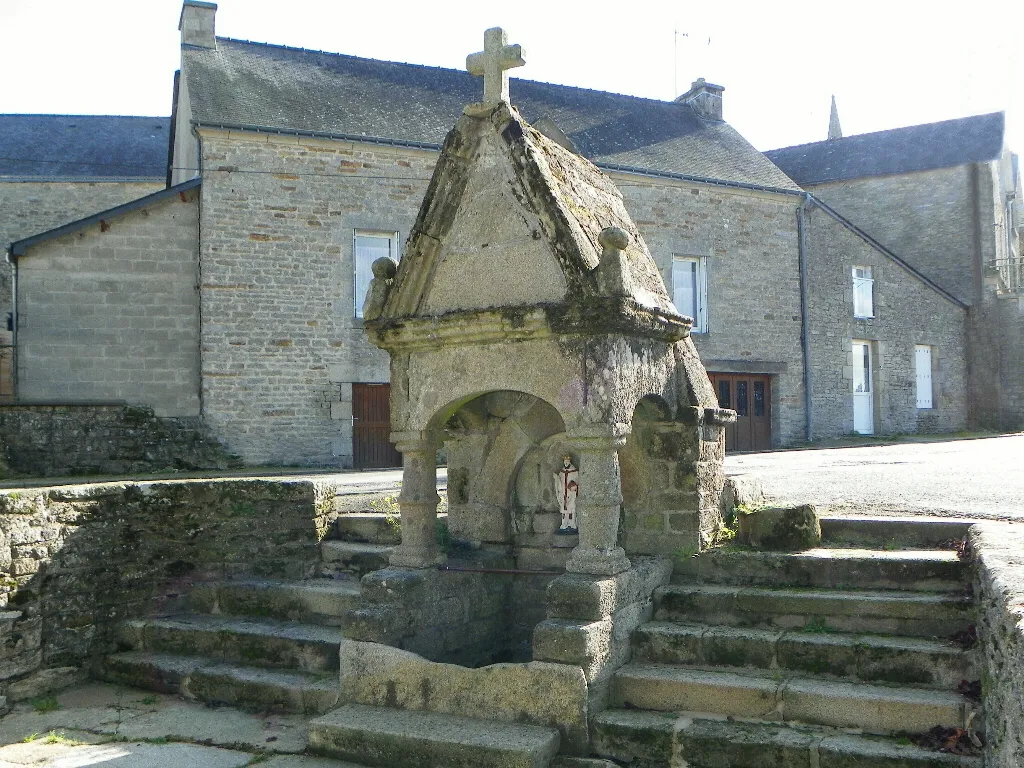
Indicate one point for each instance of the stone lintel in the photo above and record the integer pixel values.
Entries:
(584, 597)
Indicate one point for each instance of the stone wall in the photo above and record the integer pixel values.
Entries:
(749, 241)
(30, 207)
(907, 312)
(450, 616)
(999, 586)
(282, 345)
(75, 561)
(925, 217)
(64, 440)
(111, 312)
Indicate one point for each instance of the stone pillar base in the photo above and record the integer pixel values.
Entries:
(598, 562)
(415, 557)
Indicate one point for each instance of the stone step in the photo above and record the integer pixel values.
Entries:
(874, 708)
(869, 658)
(369, 528)
(373, 527)
(315, 601)
(893, 532)
(352, 558)
(702, 741)
(904, 570)
(891, 612)
(255, 642)
(224, 683)
(390, 737)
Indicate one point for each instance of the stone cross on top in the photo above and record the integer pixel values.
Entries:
(493, 62)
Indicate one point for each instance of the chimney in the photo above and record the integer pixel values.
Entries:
(705, 99)
(197, 24)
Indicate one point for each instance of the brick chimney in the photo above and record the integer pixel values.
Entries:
(197, 24)
(705, 99)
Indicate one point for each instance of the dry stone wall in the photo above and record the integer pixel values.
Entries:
(999, 586)
(63, 440)
(77, 560)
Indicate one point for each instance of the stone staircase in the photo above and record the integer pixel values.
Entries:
(827, 657)
(259, 643)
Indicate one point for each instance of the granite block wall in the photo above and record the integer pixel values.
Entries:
(907, 313)
(30, 207)
(77, 560)
(925, 217)
(749, 241)
(999, 585)
(111, 312)
(281, 343)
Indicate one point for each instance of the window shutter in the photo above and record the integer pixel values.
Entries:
(923, 364)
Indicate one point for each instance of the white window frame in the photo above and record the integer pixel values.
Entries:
(700, 316)
(926, 398)
(359, 295)
(863, 291)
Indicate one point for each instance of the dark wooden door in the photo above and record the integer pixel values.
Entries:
(371, 427)
(750, 396)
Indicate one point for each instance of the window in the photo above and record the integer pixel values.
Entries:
(863, 292)
(367, 247)
(923, 365)
(690, 290)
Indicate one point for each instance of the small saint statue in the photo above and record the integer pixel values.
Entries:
(567, 487)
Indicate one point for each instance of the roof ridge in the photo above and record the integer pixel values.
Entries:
(846, 139)
(442, 69)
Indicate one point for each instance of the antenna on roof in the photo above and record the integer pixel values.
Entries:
(675, 60)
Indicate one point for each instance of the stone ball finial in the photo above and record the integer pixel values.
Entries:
(384, 268)
(613, 237)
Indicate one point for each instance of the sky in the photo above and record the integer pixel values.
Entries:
(889, 64)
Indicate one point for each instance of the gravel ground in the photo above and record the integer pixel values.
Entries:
(977, 478)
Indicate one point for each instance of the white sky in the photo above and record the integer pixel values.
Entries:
(892, 63)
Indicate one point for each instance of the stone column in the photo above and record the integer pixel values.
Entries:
(599, 502)
(418, 502)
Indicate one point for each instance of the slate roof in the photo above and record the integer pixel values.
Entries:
(900, 150)
(83, 147)
(256, 85)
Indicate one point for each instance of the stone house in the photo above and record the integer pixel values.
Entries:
(58, 168)
(947, 198)
(314, 164)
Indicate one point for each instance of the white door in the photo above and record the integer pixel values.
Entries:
(863, 410)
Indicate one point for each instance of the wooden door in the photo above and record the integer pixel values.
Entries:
(749, 394)
(371, 427)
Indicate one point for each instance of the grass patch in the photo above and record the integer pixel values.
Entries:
(817, 624)
(46, 704)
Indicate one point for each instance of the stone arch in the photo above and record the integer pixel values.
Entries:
(486, 437)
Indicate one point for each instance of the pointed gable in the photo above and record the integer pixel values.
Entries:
(513, 219)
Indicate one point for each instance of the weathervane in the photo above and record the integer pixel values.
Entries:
(493, 62)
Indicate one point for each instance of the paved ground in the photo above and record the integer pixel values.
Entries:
(977, 477)
(981, 478)
(109, 725)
